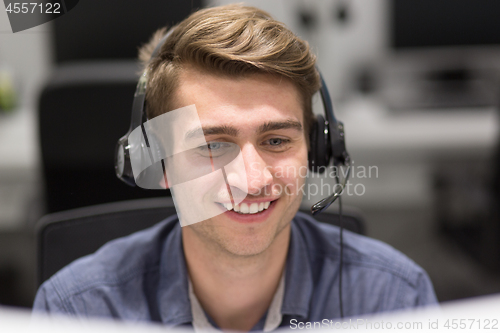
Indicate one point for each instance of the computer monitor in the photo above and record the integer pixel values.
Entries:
(418, 24)
(448, 50)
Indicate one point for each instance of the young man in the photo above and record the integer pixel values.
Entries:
(259, 265)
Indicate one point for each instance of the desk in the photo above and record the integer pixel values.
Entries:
(372, 129)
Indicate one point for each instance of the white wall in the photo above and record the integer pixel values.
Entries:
(27, 54)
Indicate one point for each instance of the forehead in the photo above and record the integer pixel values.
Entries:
(219, 98)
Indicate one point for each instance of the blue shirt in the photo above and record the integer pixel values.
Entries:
(143, 277)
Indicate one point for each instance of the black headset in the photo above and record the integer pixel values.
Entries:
(327, 139)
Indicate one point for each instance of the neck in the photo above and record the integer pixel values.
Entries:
(235, 290)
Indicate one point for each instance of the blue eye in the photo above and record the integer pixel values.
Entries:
(211, 146)
(275, 142)
(215, 149)
(214, 145)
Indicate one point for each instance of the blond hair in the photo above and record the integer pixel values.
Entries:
(234, 41)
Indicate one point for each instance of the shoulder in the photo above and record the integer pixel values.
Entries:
(323, 241)
(103, 275)
(375, 272)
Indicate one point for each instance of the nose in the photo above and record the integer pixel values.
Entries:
(257, 172)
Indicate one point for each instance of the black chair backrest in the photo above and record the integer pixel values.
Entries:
(66, 236)
(118, 27)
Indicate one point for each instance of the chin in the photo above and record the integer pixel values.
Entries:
(252, 244)
(247, 248)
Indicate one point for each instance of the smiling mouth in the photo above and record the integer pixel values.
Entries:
(244, 208)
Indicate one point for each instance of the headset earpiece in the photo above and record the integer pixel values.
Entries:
(326, 137)
(123, 166)
(320, 147)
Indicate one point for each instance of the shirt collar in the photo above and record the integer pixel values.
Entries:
(298, 280)
(173, 288)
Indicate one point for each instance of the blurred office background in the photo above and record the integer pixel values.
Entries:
(415, 83)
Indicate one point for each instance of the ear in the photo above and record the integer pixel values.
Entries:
(163, 181)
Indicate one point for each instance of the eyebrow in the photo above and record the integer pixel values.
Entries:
(278, 125)
(212, 130)
(231, 131)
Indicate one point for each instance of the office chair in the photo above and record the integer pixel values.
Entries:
(117, 28)
(66, 236)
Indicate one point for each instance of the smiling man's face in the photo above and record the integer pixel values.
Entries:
(263, 116)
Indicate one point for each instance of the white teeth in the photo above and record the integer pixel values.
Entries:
(245, 208)
(254, 208)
